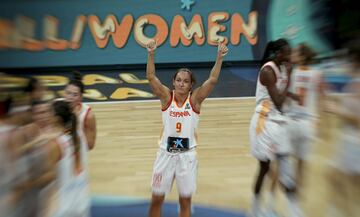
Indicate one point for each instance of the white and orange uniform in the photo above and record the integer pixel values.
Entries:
(62, 198)
(268, 133)
(304, 115)
(180, 122)
(81, 180)
(80, 183)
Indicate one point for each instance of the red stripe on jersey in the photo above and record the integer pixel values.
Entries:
(192, 106)
(169, 103)
(87, 112)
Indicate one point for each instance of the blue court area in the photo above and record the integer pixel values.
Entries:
(337, 82)
(128, 207)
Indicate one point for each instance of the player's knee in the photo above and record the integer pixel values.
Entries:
(185, 202)
(157, 200)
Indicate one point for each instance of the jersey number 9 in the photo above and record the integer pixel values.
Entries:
(178, 127)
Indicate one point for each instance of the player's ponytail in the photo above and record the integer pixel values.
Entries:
(68, 119)
(74, 134)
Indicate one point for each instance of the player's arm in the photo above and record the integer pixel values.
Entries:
(157, 87)
(292, 95)
(268, 79)
(90, 130)
(296, 97)
(200, 94)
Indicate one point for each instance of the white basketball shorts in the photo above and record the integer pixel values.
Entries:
(179, 166)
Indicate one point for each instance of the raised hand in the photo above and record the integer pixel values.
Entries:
(151, 46)
(222, 50)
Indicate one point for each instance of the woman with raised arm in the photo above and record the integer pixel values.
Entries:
(180, 106)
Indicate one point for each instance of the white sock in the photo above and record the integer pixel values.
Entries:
(293, 205)
(255, 206)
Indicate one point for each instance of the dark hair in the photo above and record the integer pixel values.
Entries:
(307, 52)
(5, 105)
(273, 48)
(77, 81)
(192, 77)
(31, 85)
(63, 110)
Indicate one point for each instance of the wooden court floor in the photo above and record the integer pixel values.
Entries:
(128, 133)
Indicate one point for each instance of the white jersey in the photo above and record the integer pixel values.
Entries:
(81, 183)
(62, 200)
(84, 111)
(305, 83)
(267, 135)
(263, 99)
(179, 122)
(64, 195)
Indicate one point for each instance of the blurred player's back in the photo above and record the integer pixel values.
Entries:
(306, 82)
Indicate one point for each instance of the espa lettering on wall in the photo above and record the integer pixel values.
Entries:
(56, 83)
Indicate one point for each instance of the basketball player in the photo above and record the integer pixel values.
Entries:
(40, 138)
(64, 202)
(87, 134)
(87, 122)
(181, 106)
(61, 196)
(268, 128)
(31, 167)
(307, 83)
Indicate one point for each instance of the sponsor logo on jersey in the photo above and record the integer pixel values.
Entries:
(179, 114)
(187, 106)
